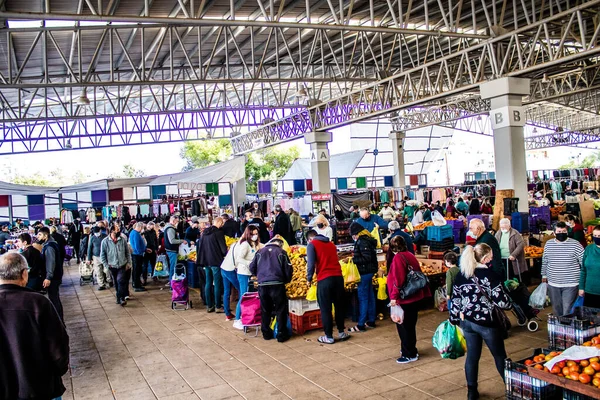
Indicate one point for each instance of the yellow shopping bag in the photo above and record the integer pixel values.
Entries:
(382, 289)
(350, 272)
(375, 234)
(311, 295)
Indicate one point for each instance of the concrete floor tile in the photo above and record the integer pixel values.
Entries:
(459, 394)
(144, 393)
(201, 379)
(181, 396)
(406, 393)
(219, 392)
(170, 387)
(410, 376)
(359, 373)
(435, 387)
(382, 384)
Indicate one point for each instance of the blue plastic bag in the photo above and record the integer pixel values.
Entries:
(578, 303)
(275, 323)
(449, 341)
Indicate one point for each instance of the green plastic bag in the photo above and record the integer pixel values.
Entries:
(449, 341)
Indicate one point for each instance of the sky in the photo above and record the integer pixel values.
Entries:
(164, 158)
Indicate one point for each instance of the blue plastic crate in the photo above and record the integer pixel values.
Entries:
(520, 221)
(439, 233)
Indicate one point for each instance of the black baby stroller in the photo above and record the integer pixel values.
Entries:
(519, 294)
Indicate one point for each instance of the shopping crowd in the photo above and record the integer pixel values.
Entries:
(124, 257)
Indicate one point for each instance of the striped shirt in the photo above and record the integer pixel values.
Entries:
(561, 262)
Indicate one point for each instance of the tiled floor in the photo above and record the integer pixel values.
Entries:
(147, 351)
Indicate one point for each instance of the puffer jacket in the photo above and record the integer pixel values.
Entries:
(365, 254)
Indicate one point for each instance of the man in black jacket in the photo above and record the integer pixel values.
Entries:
(33, 339)
(283, 226)
(151, 249)
(93, 257)
(75, 232)
(230, 226)
(365, 258)
(210, 254)
(54, 268)
(37, 269)
(61, 242)
(273, 269)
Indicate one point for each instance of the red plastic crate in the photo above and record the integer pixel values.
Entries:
(310, 320)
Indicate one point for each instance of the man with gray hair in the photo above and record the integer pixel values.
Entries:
(33, 339)
(172, 242)
(479, 232)
(138, 249)
(512, 250)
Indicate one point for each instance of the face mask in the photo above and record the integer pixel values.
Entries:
(504, 230)
(97, 234)
(254, 238)
(597, 241)
(561, 237)
(320, 226)
(42, 241)
(472, 234)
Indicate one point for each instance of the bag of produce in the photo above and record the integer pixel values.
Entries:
(397, 314)
(377, 236)
(350, 272)
(438, 219)
(161, 269)
(311, 295)
(440, 299)
(449, 341)
(538, 297)
(382, 288)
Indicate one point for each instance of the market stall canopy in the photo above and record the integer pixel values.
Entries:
(226, 172)
(340, 166)
(14, 189)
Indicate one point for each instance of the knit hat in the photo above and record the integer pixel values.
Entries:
(356, 228)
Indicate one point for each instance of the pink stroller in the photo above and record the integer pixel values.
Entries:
(251, 316)
(179, 284)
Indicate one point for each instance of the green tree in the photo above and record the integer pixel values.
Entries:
(79, 177)
(588, 162)
(31, 180)
(129, 171)
(271, 163)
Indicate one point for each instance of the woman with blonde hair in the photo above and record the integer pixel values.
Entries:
(476, 291)
(322, 227)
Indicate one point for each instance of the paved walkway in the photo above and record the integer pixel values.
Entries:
(147, 351)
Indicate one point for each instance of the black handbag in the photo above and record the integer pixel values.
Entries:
(415, 281)
(498, 315)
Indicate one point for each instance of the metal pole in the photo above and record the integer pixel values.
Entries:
(10, 210)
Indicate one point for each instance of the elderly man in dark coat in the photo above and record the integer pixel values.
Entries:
(33, 339)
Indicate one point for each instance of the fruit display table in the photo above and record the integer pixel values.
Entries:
(581, 386)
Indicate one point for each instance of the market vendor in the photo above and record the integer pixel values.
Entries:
(589, 280)
(368, 220)
(512, 250)
(387, 213)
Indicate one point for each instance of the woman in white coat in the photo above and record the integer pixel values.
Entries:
(244, 253)
(322, 227)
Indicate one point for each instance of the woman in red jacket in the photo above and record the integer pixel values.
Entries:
(396, 279)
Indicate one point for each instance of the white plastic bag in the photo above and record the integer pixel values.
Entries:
(438, 219)
(440, 299)
(538, 297)
(184, 250)
(397, 314)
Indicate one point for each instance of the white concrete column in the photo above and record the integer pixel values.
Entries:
(319, 156)
(397, 138)
(507, 116)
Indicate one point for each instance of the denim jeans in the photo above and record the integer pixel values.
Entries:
(172, 256)
(212, 289)
(243, 281)
(229, 278)
(366, 300)
(475, 335)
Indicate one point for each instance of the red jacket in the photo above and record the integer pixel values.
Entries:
(321, 255)
(397, 276)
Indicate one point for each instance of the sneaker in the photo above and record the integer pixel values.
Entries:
(127, 298)
(139, 289)
(210, 309)
(123, 303)
(101, 288)
(167, 284)
(229, 317)
(237, 324)
(406, 360)
(325, 340)
(343, 336)
(220, 310)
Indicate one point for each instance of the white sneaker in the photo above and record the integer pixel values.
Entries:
(237, 324)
